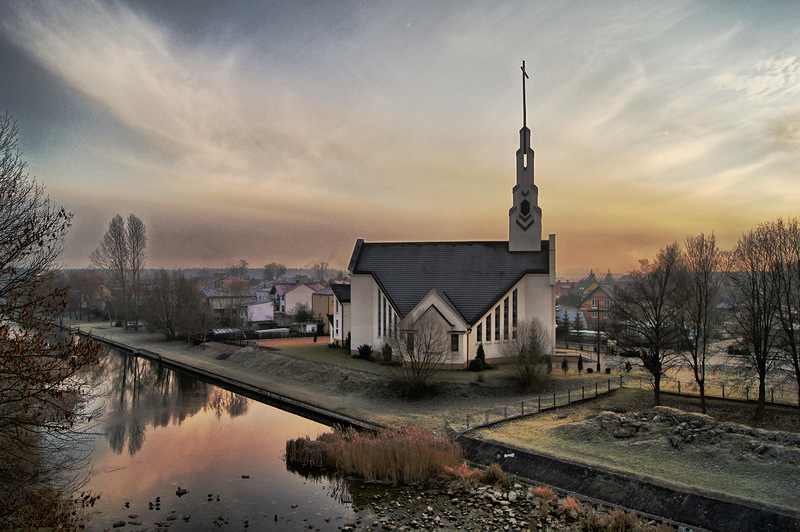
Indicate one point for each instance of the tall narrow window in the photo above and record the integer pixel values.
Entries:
(594, 303)
(385, 307)
(489, 328)
(380, 306)
(497, 323)
(514, 313)
(480, 333)
(505, 319)
(454, 343)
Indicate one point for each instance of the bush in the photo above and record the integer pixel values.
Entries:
(564, 366)
(589, 370)
(364, 352)
(386, 352)
(580, 363)
(480, 354)
(476, 364)
(495, 475)
(548, 360)
(608, 370)
(528, 351)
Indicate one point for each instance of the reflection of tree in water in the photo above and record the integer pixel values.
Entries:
(142, 391)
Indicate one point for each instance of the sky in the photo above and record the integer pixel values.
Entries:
(283, 131)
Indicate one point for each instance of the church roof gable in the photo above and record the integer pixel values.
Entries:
(472, 275)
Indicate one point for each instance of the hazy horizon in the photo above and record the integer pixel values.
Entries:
(282, 132)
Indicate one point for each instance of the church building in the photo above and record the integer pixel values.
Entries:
(481, 290)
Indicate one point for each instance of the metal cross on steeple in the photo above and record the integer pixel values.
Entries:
(524, 107)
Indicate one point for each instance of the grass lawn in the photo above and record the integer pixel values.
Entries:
(729, 467)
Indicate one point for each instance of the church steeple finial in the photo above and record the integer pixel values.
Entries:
(524, 103)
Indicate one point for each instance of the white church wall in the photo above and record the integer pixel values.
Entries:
(363, 310)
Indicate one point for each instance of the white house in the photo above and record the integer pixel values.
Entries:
(340, 320)
(481, 290)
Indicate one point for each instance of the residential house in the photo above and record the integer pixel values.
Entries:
(597, 307)
(322, 308)
(340, 320)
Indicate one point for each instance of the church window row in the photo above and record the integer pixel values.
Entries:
(386, 316)
(505, 321)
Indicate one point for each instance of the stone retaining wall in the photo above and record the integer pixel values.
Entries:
(709, 511)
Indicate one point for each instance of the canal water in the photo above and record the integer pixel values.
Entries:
(164, 430)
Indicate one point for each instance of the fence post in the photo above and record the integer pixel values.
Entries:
(747, 392)
(569, 396)
(505, 412)
(679, 387)
(723, 391)
(487, 416)
(583, 392)
(540, 403)
(467, 420)
(554, 400)
(522, 408)
(773, 395)
(595, 389)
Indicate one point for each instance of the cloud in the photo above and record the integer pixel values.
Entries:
(777, 75)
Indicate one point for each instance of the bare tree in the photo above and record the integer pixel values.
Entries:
(422, 345)
(112, 258)
(239, 269)
(136, 238)
(788, 262)
(529, 351)
(42, 399)
(175, 306)
(755, 278)
(273, 270)
(646, 314)
(699, 297)
(319, 271)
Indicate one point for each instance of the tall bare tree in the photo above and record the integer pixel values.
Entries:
(121, 257)
(422, 344)
(787, 263)
(239, 269)
(319, 271)
(41, 385)
(646, 318)
(136, 238)
(699, 297)
(755, 279)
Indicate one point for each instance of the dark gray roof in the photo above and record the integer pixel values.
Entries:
(472, 275)
(342, 292)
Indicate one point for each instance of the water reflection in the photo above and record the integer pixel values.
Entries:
(162, 429)
(141, 392)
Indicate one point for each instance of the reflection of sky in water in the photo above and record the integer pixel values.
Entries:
(161, 432)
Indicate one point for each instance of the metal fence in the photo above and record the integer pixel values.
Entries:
(542, 402)
(741, 392)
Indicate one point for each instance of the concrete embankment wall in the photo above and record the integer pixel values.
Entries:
(695, 508)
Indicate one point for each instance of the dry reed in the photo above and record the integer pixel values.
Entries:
(394, 455)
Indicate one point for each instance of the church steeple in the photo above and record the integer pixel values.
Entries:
(525, 216)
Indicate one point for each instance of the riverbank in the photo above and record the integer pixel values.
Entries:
(359, 390)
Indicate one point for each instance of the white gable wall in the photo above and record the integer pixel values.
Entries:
(363, 310)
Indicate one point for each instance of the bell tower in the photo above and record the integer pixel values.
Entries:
(525, 216)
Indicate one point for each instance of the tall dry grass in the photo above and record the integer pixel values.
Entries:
(396, 455)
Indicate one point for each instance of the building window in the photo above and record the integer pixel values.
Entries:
(514, 313)
(385, 307)
(606, 304)
(605, 314)
(497, 323)
(380, 297)
(489, 328)
(594, 303)
(594, 314)
(505, 319)
(480, 333)
(454, 343)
